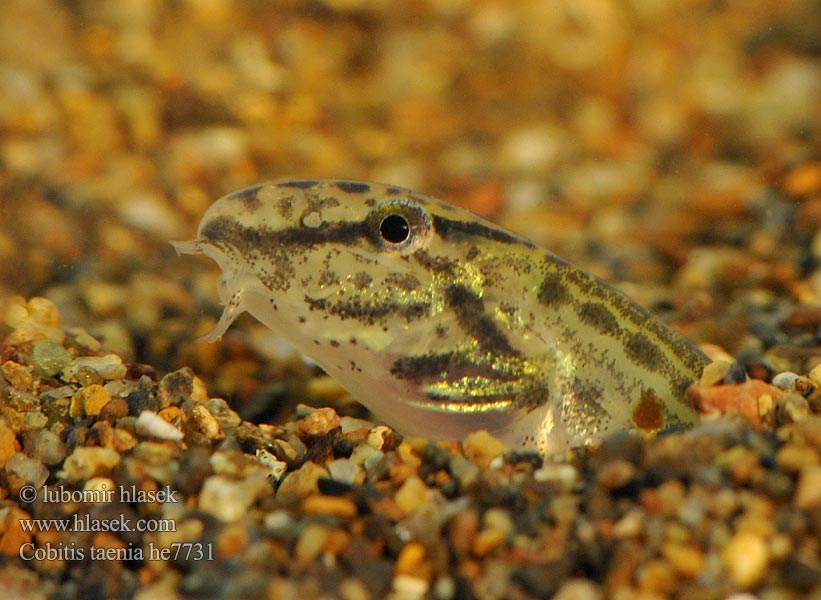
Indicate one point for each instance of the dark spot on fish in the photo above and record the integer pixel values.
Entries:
(649, 412)
(473, 253)
(453, 228)
(361, 280)
(248, 196)
(354, 187)
(302, 319)
(302, 184)
(404, 281)
(471, 315)
(553, 292)
(334, 343)
(641, 349)
(285, 207)
(599, 317)
(368, 313)
(392, 189)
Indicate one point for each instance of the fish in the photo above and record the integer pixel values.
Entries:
(442, 323)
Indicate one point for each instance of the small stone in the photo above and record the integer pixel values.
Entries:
(45, 445)
(204, 423)
(319, 422)
(753, 400)
(150, 424)
(353, 589)
(277, 467)
(793, 457)
(629, 526)
(714, 372)
(482, 448)
(117, 408)
(175, 387)
(413, 495)
(50, 357)
(345, 470)
(808, 488)
(381, 438)
(12, 538)
(8, 443)
(84, 339)
(656, 577)
(227, 417)
(107, 368)
(229, 499)
(407, 587)
(351, 424)
(24, 470)
(746, 557)
(563, 474)
(464, 527)
(615, 474)
(786, 380)
(88, 401)
(488, 540)
(465, 471)
(311, 542)
(498, 518)
(815, 375)
(17, 375)
(685, 559)
(578, 589)
(303, 481)
(320, 504)
(87, 462)
(411, 560)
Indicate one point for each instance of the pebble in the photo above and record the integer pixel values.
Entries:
(346, 470)
(89, 400)
(8, 443)
(150, 424)
(303, 481)
(319, 422)
(229, 499)
(22, 470)
(86, 462)
(320, 504)
(578, 589)
(50, 357)
(808, 488)
(615, 474)
(412, 495)
(277, 468)
(686, 559)
(407, 587)
(203, 423)
(106, 368)
(43, 444)
(19, 376)
(311, 542)
(746, 556)
(482, 448)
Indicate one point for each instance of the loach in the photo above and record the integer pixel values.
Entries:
(440, 322)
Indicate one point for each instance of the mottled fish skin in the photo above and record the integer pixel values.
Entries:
(440, 322)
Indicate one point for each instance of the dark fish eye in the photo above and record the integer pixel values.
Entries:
(394, 229)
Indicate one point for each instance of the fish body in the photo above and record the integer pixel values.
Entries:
(443, 323)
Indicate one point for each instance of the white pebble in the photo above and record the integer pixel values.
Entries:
(151, 424)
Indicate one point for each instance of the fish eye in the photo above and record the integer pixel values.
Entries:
(394, 229)
(399, 225)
